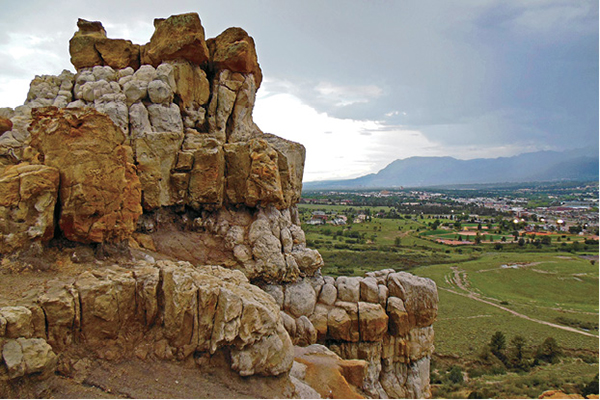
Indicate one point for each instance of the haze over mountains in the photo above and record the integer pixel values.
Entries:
(580, 164)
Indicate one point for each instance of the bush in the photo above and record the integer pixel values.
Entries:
(591, 387)
(498, 370)
(455, 375)
(548, 351)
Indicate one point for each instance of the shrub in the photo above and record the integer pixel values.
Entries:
(455, 375)
(548, 351)
(591, 387)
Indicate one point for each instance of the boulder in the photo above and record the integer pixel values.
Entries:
(328, 294)
(28, 194)
(165, 117)
(253, 174)
(27, 357)
(348, 288)
(419, 295)
(369, 291)
(118, 53)
(100, 193)
(82, 46)
(107, 302)
(139, 121)
(306, 334)
(319, 320)
(308, 261)
(271, 355)
(179, 36)
(235, 50)
(230, 109)
(383, 292)
(180, 306)
(276, 292)
(18, 322)
(373, 321)
(160, 92)
(289, 323)
(300, 299)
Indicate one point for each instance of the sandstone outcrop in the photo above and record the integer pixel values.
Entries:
(5, 125)
(90, 47)
(99, 191)
(331, 376)
(395, 336)
(27, 197)
(165, 310)
(179, 36)
(154, 147)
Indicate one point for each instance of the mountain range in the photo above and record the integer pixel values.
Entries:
(580, 165)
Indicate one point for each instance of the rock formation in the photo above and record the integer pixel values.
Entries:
(154, 147)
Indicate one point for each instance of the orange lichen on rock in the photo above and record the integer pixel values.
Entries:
(179, 36)
(234, 50)
(100, 192)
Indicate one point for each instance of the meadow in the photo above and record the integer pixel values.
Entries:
(532, 291)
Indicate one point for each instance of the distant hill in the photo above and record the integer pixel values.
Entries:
(579, 164)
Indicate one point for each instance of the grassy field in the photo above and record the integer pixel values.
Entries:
(479, 286)
(464, 325)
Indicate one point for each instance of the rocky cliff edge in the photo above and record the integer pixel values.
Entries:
(145, 168)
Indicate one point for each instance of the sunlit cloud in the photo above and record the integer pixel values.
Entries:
(346, 95)
(336, 148)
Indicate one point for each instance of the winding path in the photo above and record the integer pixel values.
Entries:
(459, 282)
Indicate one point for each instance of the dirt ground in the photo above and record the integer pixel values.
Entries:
(135, 379)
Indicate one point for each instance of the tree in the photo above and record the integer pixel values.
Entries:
(518, 352)
(591, 387)
(498, 344)
(455, 375)
(521, 242)
(397, 241)
(548, 351)
(575, 229)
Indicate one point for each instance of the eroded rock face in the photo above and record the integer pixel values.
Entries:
(90, 46)
(27, 198)
(157, 143)
(395, 340)
(234, 50)
(100, 192)
(5, 125)
(179, 36)
(117, 312)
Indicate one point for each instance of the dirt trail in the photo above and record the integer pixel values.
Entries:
(516, 314)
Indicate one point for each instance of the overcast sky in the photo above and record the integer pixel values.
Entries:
(362, 83)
